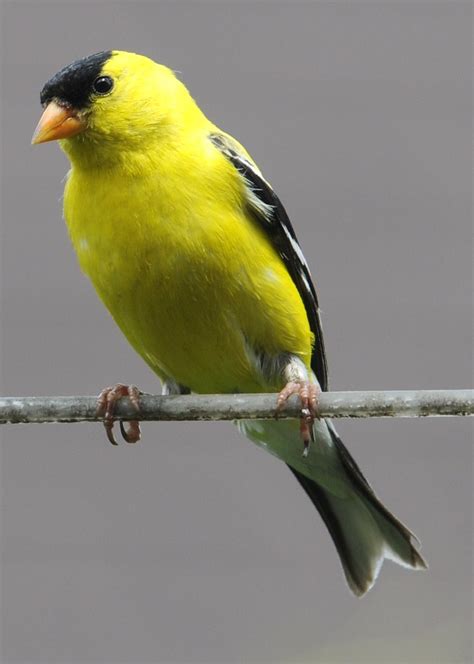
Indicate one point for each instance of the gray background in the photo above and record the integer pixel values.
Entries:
(196, 546)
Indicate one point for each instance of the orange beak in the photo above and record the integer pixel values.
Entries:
(57, 122)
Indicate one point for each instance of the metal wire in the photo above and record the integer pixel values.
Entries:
(405, 403)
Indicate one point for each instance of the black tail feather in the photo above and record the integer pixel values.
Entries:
(364, 531)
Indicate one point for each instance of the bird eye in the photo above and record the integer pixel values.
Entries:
(102, 85)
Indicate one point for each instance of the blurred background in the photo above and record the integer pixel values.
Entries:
(195, 546)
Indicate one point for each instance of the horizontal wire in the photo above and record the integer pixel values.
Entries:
(403, 403)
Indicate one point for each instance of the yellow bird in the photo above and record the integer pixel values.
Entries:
(193, 254)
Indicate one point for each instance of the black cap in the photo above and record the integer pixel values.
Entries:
(73, 84)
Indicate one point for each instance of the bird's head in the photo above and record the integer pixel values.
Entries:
(109, 103)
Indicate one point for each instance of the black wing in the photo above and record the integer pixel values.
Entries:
(268, 210)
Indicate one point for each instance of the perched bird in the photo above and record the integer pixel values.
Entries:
(193, 254)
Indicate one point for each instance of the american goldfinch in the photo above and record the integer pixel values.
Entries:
(193, 254)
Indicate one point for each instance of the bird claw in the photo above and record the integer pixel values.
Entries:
(105, 408)
(132, 434)
(309, 394)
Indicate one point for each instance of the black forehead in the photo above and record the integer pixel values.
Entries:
(73, 83)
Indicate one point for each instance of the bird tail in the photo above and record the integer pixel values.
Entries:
(364, 531)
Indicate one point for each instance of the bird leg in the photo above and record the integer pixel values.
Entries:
(105, 408)
(308, 392)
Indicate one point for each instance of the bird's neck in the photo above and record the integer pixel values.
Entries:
(126, 157)
(133, 152)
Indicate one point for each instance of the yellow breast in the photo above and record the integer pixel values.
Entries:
(188, 276)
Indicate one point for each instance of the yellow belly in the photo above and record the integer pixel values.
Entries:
(192, 286)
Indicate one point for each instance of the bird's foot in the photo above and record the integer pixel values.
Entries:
(309, 394)
(105, 408)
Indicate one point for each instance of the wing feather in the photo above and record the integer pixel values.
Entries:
(270, 213)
